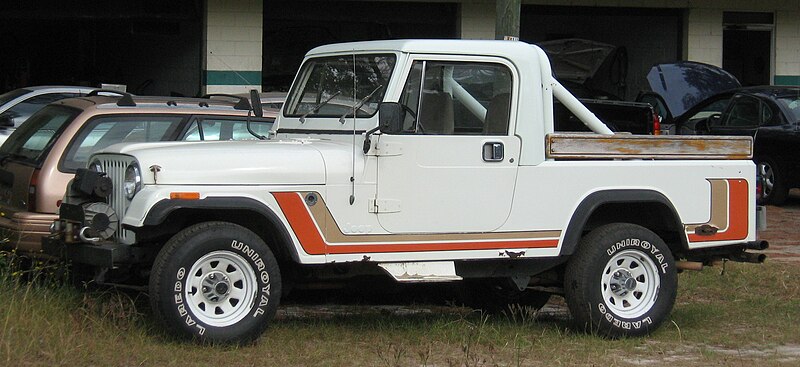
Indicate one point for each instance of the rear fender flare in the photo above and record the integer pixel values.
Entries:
(595, 200)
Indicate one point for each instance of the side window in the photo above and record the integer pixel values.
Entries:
(712, 108)
(105, 131)
(744, 112)
(209, 129)
(766, 114)
(457, 98)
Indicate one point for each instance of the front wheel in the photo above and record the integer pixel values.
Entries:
(217, 282)
(621, 281)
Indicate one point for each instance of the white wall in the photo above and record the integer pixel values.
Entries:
(233, 45)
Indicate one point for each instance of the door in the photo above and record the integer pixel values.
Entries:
(743, 116)
(454, 168)
(747, 46)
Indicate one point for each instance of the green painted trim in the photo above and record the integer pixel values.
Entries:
(232, 77)
(787, 80)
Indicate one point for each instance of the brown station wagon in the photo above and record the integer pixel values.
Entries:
(41, 156)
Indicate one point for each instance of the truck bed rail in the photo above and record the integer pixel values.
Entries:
(625, 146)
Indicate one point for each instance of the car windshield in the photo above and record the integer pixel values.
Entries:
(8, 96)
(333, 86)
(792, 105)
(31, 141)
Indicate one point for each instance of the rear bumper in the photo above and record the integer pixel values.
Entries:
(24, 231)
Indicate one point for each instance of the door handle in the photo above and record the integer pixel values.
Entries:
(493, 152)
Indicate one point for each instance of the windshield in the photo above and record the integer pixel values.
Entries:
(8, 96)
(31, 141)
(334, 86)
(792, 105)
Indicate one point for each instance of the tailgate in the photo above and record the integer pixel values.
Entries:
(15, 180)
(625, 146)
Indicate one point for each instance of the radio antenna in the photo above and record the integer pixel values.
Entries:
(355, 97)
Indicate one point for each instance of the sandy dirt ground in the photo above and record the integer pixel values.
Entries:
(783, 230)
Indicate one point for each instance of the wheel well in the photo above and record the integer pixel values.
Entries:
(646, 208)
(651, 215)
(269, 229)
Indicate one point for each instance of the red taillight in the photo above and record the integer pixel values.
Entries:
(32, 191)
(656, 124)
(759, 187)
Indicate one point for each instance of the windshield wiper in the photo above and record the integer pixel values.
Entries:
(317, 107)
(360, 103)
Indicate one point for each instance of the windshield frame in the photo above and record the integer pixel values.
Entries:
(303, 85)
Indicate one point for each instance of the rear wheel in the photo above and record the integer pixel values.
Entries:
(621, 282)
(217, 282)
(774, 187)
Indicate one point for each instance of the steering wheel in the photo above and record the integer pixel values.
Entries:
(414, 116)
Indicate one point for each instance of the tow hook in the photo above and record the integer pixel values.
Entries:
(85, 238)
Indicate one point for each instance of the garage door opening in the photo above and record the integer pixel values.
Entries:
(747, 46)
(152, 47)
(291, 28)
(650, 36)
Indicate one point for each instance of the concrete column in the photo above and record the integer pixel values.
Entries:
(477, 20)
(233, 46)
(704, 36)
(508, 17)
(787, 47)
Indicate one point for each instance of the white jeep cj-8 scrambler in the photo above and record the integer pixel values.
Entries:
(426, 161)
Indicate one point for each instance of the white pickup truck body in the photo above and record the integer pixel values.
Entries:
(444, 201)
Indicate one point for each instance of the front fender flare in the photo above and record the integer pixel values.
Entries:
(159, 213)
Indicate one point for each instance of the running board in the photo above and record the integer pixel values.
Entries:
(422, 272)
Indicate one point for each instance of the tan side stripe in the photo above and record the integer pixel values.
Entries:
(309, 231)
(719, 206)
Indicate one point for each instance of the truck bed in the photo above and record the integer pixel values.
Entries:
(626, 146)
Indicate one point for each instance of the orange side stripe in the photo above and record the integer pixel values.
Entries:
(738, 214)
(313, 243)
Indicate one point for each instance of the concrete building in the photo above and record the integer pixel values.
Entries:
(194, 47)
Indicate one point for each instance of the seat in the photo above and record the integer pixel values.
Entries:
(497, 115)
(436, 113)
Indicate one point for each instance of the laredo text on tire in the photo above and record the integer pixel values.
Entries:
(217, 282)
(621, 281)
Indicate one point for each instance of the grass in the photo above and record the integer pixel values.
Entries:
(748, 315)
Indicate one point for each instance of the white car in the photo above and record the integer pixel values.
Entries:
(19, 104)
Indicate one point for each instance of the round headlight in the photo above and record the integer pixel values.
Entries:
(96, 166)
(133, 180)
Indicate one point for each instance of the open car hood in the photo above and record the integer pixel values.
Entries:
(684, 84)
(576, 59)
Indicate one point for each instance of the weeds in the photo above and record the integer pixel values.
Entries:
(750, 308)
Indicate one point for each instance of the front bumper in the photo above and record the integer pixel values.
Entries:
(24, 231)
(103, 255)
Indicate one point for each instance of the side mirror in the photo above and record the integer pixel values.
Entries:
(255, 102)
(390, 117)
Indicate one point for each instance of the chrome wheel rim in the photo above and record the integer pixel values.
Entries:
(768, 175)
(221, 288)
(630, 284)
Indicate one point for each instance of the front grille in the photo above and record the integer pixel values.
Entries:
(114, 166)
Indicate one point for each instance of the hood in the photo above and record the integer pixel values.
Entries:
(574, 59)
(684, 84)
(295, 162)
